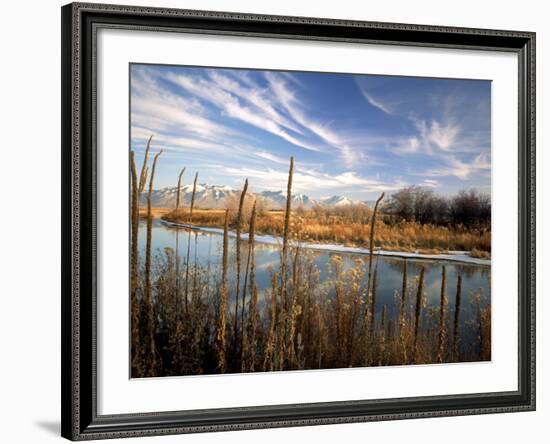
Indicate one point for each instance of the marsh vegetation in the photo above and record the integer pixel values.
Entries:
(221, 309)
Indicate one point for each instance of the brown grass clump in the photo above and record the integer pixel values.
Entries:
(480, 254)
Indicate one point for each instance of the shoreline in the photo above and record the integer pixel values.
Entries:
(452, 256)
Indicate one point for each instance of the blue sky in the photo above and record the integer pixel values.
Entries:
(351, 135)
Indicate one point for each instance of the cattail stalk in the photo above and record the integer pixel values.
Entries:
(238, 260)
(403, 296)
(189, 243)
(245, 283)
(320, 333)
(291, 352)
(251, 338)
(177, 294)
(456, 326)
(286, 235)
(371, 239)
(418, 311)
(270, 342)
(372, 318)
(144, 171)
(369, 315)
(179, 189)
(373, 303)
(150, 319)
(220, 334)
(356, 307)
(382, 339)
(442, 303)
(136, 363)
(193, 197)
(402, 314)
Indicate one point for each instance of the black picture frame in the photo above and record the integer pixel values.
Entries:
(80, 22)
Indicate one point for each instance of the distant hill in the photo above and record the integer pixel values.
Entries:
(220, 196)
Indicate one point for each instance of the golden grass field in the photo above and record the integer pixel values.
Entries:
(309, 226)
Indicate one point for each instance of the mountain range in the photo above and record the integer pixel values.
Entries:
(221, 196)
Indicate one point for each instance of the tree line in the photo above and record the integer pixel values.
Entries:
(469, 208)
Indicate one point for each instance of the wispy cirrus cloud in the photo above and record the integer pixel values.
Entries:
(460, 169)
(175, 121)
(438, 135)
(229, 103)
(272, 157)
(374, 102)
(357, 135)
(308, 180)
(295, 108)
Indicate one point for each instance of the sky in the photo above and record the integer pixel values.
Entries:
(351, 135)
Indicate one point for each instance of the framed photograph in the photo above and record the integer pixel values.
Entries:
(280, 221)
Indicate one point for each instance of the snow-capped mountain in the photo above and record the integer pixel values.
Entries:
(206, 196)
(221, 196)
(338, 201)
(277, 200)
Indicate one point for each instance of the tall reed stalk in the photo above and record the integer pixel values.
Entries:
(456, 325)
(320, 333)
(291, 351)
(355, 313)
(373, 302)
(442, 305)
(179, 189)
(403, 314)
(372, 317)
(245, 288)
(136, 360)
(371, 239)
(220, 334)
(150, 317)
(238, 260)
(271, 340)
(403, 296)
(418, 311)
(382, 338)
(177, 258)
(189, 242)
(369, 315)
(144, 171)
(248, 344)
(193, 197)
(284, 258)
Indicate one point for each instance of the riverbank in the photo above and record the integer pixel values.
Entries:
(349, 227)
(452, 256)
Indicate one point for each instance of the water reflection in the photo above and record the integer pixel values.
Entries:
(205, 249)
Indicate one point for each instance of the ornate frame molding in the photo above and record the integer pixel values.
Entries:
(79, 412)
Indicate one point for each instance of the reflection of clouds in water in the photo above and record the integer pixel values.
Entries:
(266, 265)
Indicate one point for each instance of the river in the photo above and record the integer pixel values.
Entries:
(205, 249)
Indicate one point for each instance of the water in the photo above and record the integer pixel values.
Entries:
(206, 250)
